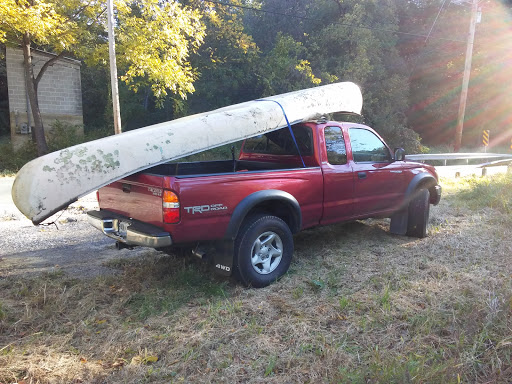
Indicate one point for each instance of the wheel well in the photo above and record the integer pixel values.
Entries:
(279, 209)
(429, 184)
(416, 185)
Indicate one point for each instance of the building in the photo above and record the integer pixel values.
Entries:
(59, 93)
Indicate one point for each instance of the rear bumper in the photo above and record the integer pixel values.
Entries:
(129, 231)
(436, 198)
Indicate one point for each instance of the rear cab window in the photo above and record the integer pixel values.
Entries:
(279, 147)
(280, 142)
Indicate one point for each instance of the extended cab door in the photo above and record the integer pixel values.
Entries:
(379, 181)
(338, 177)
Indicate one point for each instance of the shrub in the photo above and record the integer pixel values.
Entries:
(11, 161)
(404, 137)
(63, 135)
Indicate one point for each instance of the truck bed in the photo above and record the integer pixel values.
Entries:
(205, 168)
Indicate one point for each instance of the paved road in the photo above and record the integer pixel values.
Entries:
(466, 170)
(7, 207)
(6, 203)
(70, 245)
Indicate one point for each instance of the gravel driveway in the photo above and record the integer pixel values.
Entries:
(70, 245)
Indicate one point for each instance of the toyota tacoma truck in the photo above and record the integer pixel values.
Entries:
(248, 208)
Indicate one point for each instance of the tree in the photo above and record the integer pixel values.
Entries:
(155, 40)
(226, 61)
(285, 67)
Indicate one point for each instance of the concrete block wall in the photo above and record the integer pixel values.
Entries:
(59, 92)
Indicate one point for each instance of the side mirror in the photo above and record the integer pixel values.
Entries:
(399, 154)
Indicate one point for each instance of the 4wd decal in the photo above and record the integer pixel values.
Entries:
(223, 267)
(205, 208)
(155, 191)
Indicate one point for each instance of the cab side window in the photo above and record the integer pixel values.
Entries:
(367, 147)
(335, 146)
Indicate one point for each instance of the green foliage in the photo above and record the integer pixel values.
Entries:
(42, 21)
(155, 39)
(11, 161)
(401, 136)
(3, 314)
(492, 191)
(285, 68)
(329, 45)
(223, 152)
(270, 366)
(96, 98)
(63, 135)
(227, 62)
(230, 54)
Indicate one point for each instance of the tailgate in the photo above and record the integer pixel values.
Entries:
(138, 197)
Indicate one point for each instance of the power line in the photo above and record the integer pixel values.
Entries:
(294, 16)
(433, 24)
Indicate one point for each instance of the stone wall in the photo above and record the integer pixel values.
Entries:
(59, 93)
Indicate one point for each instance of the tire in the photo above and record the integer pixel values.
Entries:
(263, 250)
(418, 213)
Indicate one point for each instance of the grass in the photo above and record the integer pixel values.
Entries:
(493, 192)
(359, 306)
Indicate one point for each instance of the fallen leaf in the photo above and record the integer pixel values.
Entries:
(150, 359)
(118, 363)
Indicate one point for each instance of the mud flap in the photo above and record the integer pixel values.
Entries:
(399, 220)
(223, 257)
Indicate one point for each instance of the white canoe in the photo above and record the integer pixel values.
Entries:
(50, 183)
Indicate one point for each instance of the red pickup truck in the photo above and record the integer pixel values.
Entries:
(250, 207)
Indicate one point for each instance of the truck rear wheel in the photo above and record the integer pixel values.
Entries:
(263, 250)
(419, 210)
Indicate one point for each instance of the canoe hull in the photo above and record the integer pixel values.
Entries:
(52, 182)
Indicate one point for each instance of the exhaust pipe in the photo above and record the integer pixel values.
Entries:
(199, 253)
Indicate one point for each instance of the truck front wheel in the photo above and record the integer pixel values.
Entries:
(419, 209)
(263, 250)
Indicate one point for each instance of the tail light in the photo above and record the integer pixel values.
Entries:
(98, 196)
(171, 207)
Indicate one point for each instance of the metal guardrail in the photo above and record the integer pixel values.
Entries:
(445, 157)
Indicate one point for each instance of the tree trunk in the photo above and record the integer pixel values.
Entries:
(31, 87)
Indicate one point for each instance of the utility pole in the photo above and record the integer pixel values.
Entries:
(113, 67)
(467, 73)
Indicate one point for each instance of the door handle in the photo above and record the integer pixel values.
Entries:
(361, 175)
